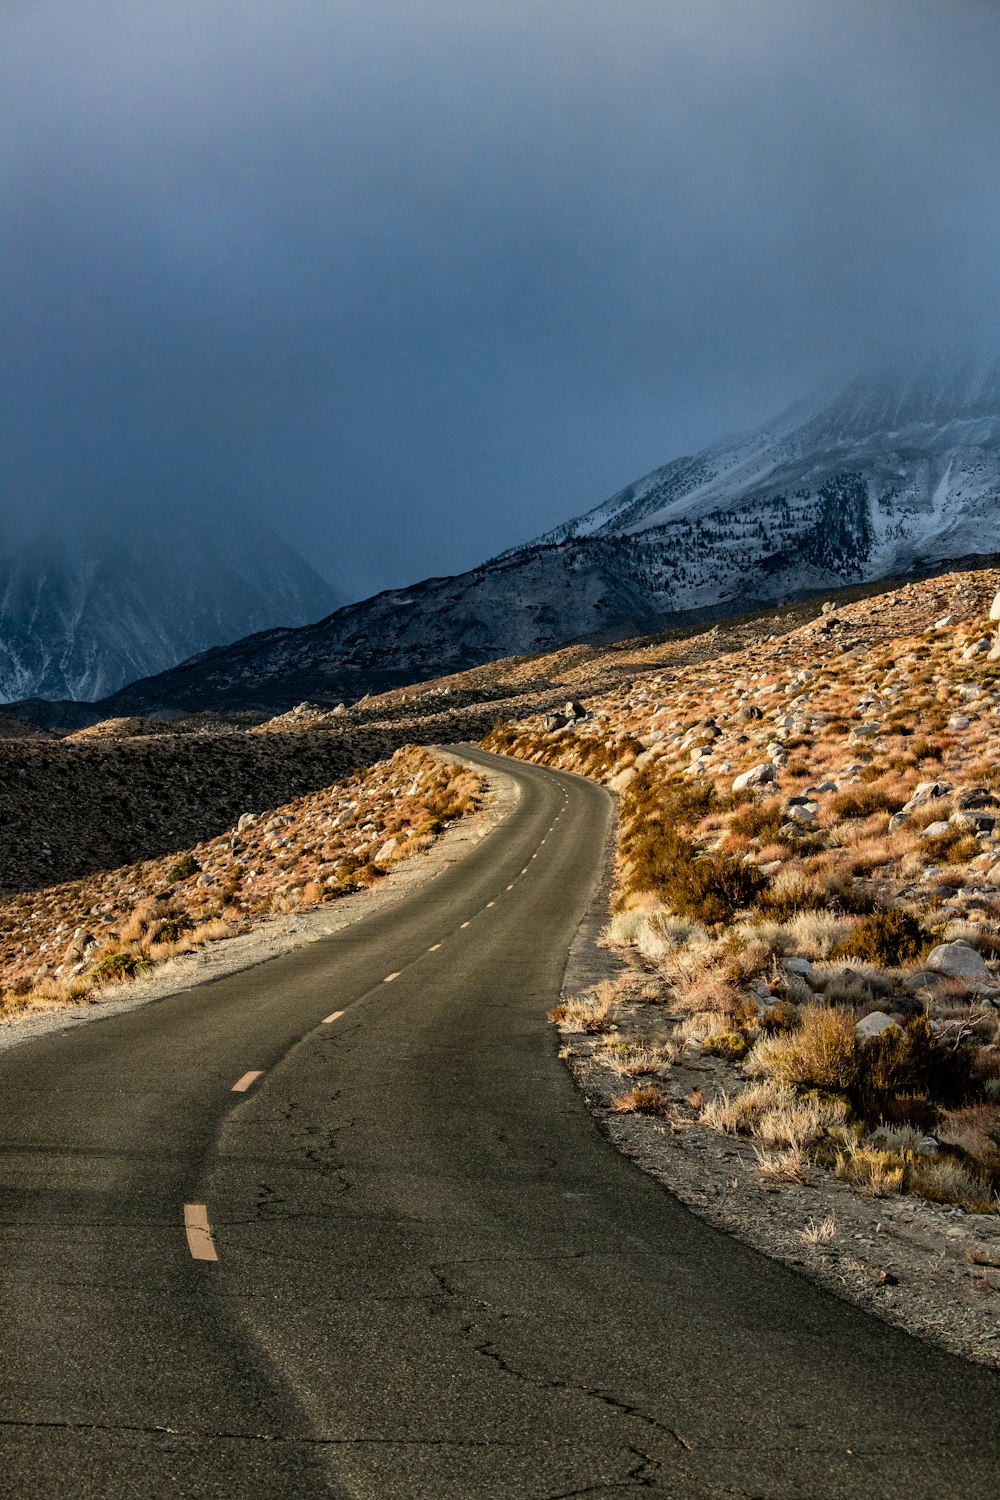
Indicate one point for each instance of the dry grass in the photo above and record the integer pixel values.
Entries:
(643, 1099)
(818, 1232)
(783, 1166)
(876, 1173)
(819, 1053)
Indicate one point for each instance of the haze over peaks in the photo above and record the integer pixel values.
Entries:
(87, 607)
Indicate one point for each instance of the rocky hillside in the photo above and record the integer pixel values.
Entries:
(809, 884)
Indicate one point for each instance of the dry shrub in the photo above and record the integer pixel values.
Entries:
(864, 801)
(790, 894)
(589, 1014)
(975, 1130)
(876, 1172)
(906, 1074)
(707, 992)
(943, 1179)
(730, 1044)
(636, 1059)
(644, 1099)
(816, 934)
(891, 938)
(800, 1123)
(953, 847)
(759, 821)
(819, 1232)
(783, 1166)
(624, 928)
(697, 1026)
(730, 1114)
(820, 1053)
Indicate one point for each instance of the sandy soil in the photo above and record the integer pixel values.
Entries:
(277, 935)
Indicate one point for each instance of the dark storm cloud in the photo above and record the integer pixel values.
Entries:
(421, 278)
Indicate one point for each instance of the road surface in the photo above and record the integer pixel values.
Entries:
(402, 1261)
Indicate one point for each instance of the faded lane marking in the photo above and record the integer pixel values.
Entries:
(464, 924)
(199, 1232)
(390, 977)
(511, 886)
(434, 948)
(242, 1084)
(335, 1017)
(489, 904)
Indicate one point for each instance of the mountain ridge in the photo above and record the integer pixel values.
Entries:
(891, 475)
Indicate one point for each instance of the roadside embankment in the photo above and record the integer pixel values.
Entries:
(292, 875)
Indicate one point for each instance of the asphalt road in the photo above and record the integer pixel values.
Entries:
(435, 1277)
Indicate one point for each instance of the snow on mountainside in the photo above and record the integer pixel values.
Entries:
(81, 615)
(892, 473)
(895, 470)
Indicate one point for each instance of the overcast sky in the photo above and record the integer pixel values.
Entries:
(419, 279)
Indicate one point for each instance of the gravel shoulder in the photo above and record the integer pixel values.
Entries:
(278, 935)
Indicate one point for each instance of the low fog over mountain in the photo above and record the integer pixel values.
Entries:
(86, 609)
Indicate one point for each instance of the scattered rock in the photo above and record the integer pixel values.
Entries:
(935, 830)
(760, 775)
(873, 1025)
(957, 960)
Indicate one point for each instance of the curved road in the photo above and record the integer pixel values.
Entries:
(435, 1278)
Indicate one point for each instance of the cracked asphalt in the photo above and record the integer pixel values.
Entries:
(436, 1278)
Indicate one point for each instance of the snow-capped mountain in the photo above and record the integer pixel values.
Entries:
(83, 612)
(893, 472)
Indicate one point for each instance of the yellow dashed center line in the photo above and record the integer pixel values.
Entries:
(242, 1084)
(199, 1232)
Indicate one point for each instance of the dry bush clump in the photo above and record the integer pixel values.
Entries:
(819, 1053)
(876, 1172)
(643, 1099)
(789, 1165)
